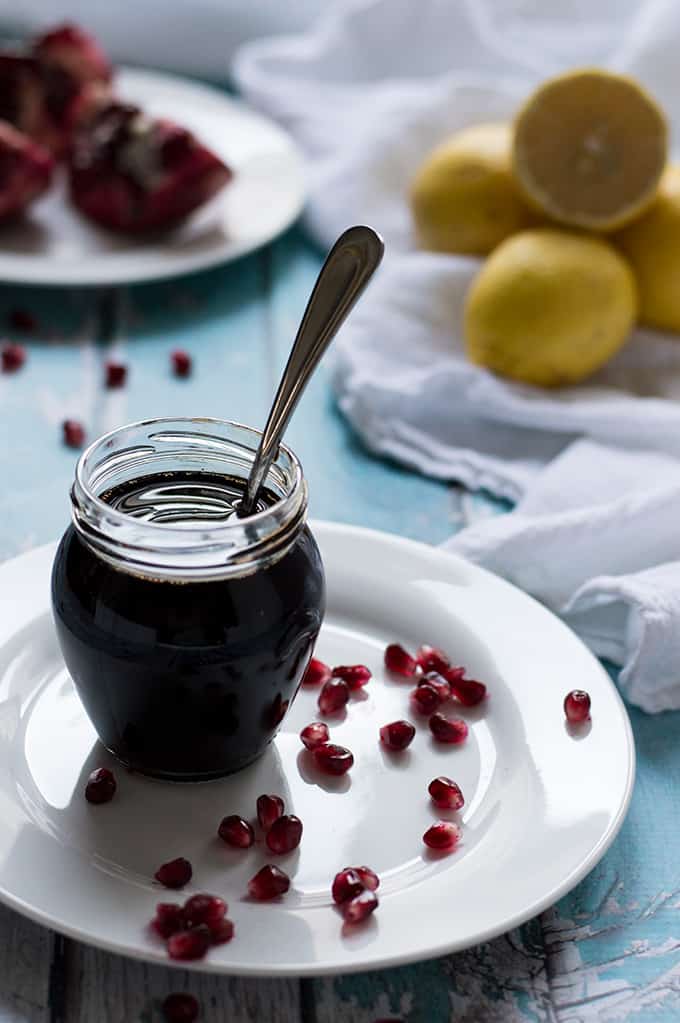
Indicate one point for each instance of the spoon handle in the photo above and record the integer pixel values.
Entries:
(342, 278)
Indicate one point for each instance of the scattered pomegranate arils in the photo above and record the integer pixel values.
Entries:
(346, 885)
(333, 759)
(425, 699)
(315, 734)
(333, 696)
(191, 944)
(397, 735)
(355, 675)
(73, 432)
(468, 692)
(12, 356)
(181, 363)
(175, 873)
(284, 834)
(116, 374)
(21, 319)
(203, 909)
(445, 793)
(449, 730)
(222, 932)
(454, 675)
(577, 706)
(236, 831)
(356, 910)
(369, 877)
(168, 920)
(180, 1008)
(438, 683)
(268, 883)
(432, 658)
(443, 835)
(269, 809)
(399, 661)
(316, 674)
(101, 786)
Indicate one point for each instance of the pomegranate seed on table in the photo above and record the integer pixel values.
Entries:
(21, 319)
(203, 909)
(316, 674)
(236, 831)
(101, 786)
(369, 877)
(315, 734)
(116, 373)
(448, 730)
(73, 433)
(445, 793)
(346, 884)
(168, 920)
(443, 836)
(175, 873)
(180, 1008)
(12, 356)
(333, 759)
(431, 658)
(333, 696)
(191, 944)
(269, 809)
(284, 834)
(425, 699)
(222, 932)
(399, 661)
(454, 675)
(438, 683)
(468, 692)
(356, 910)
(268, 883)
(355, 675)
(181, 363)
(577, 706)
(397, 735)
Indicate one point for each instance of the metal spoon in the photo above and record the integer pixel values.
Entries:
(348, 268)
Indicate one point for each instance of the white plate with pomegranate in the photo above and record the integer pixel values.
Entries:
(543, 800)
(54, 245)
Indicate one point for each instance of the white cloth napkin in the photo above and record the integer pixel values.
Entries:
(595, 469)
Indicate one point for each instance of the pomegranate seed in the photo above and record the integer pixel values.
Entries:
(333, 759)
(168, 920)
(174, 874)
(101, 786)
(333, 696)
(21, 319)
(268, 883)
(432, 658)
(222, 932)
(180, 1008)
(315, 734)
(74, 434)
(453, 675)
(284, 834)
(346, 884)
(450, 730)
(191, 944)
(203, 909)
(438, 683)
(13, 357)
(577, 706)
(443, 835)
(269, 809)
(316, 674)
(397, 735)
(355, 675)
(425, 699)
(181, 363)
(368, 877)
(236, 831)
(116, 373)
(445, 793)
(399, 661)
(356, 910)
(468, 692)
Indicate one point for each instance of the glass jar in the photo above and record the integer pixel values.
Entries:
(185, 628)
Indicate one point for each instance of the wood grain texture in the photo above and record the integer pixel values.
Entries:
(26, 955)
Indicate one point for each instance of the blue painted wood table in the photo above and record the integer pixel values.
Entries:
(609, 951)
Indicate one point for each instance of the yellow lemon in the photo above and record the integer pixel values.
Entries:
(464, 198)
(652, 245)
(589, 149)
(549, 307)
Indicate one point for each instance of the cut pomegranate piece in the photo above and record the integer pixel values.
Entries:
(116, 374)
(175, 873)
(191, 944)
(425, 699)
(203, 909)
(448, 730)
(236, 831)
(180, 1008)
(21, 319)
(268, 883)
(135, 174)
(168, 920)
(445, 793)
(269, 809)
(368, 877)
(355, 675)
(468, 691)
(315, 734)
(181, 363)
(222, 932)
(316, 674)
(25, 171)
(438, 683)
(399, 661)
(284, 834)
(577, 706)
(397, 735)
(101, 786)
(443, 835)
(346, 884)
(73, 52)
(333, 696)
(73, 433)
(333, 759)
(356, 910)
(432, 658)
(12, 357)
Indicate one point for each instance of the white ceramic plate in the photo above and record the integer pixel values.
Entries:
(55, 245)
(542, 805)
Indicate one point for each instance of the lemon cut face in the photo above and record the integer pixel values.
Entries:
(589, 149)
